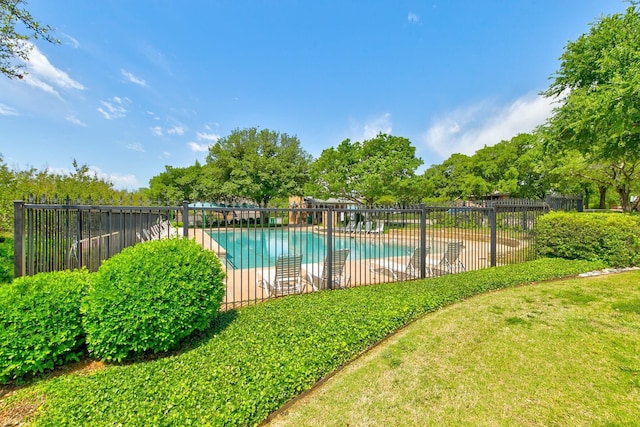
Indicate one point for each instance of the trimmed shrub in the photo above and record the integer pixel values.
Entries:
(6, 260)
(149, 297)
(40, 322)
(613, 238)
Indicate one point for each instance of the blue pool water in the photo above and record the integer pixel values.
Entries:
(260, 248)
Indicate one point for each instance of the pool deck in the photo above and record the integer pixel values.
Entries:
(242, 287)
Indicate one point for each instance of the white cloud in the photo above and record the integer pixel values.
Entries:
(113, 108)
(44, 76)
(375, 126)
(471, 128)
(207, 136)
(5, 110)
(166, 154)
(136, 147)
(176, 130)
(73, 42)
(76, 121)
(157, 131)
(198, 148)
(133, 79)
(413, 18)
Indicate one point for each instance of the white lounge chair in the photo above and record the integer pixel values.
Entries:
(318, 274)
(379, 228)
(350, 227)
(358, 228)
(404, 271)
(450, 261)
(284, 279)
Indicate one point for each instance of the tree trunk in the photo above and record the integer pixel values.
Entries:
(603, 197)
(624, 193)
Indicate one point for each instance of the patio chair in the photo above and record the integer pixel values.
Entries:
(450, 261)
(318, 274)
(284, 279)
(368, 225)
(350, 227)
(408, 270)
(379, 228)
(357, 228)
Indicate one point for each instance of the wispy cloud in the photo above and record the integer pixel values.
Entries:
(71, 41)
(133, 79)
(114, 108)
(43, 75)
(202, 136)
(413, 18)
(76, 121)
(468, 129)
(376, 125)
(198, 148)
(157, 131)
(136, 147)
(5, 110)
(119, 181)
(176, 130)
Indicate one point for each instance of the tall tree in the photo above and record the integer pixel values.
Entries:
(381, 168)
(259, 164)
(599, 86)
(14, 44)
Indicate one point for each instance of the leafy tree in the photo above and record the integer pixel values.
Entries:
(14, 44)
(259, 165)
(599, 82)
(376, 170)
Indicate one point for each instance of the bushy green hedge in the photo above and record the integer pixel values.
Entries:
(40, 322)
(257, 358)
(613, 238)
(6, 260)
(150, 296)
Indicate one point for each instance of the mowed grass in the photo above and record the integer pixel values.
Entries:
(556, 354)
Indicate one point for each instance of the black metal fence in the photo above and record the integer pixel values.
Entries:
(269, 251)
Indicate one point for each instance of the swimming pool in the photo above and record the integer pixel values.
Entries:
(251, 248)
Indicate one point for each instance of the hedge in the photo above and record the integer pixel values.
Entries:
(6, 259)
(612, 238)
(40, 323)
(149, 297)
(257, 358)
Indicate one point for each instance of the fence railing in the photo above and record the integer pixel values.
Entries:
(268, 252)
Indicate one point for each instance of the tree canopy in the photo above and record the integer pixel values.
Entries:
(14, 44)
(381, 168)
(259, 165)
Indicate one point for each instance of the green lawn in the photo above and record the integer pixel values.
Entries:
(556, 354)
(258, 358)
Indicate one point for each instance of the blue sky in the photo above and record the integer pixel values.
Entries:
(137, 85)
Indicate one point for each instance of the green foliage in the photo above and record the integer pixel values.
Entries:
(15, 45)
(598, 83)
(258, 358)
(611, 238)
(374, 170)
(150, 296)
(6, 260)
(258, 164)
(40, 323)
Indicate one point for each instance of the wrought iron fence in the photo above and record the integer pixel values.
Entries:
(268, 252)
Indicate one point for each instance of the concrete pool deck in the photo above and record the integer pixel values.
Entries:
(242, 288)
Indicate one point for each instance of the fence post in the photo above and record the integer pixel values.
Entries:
(423, 240)
(330, 247)
(18, 238)
(580, 207)
(494, 236)
(185, 219)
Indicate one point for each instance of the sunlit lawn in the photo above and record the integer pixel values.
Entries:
(558, 353)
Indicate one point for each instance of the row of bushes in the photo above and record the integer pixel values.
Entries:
(146, 299)
(612, 238)
(259, 357)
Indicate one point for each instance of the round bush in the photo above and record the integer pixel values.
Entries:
(40, 322)
(150, 296)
